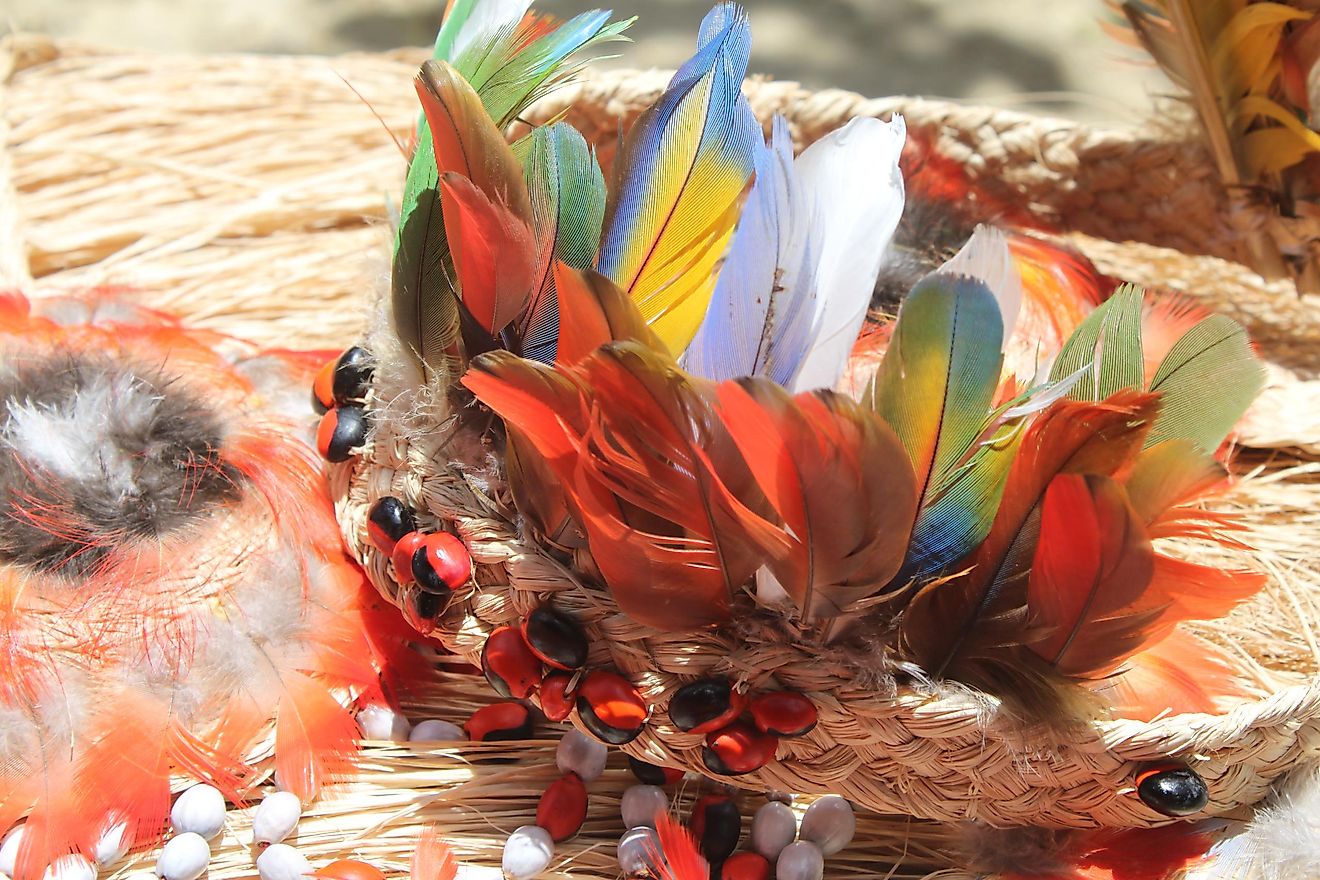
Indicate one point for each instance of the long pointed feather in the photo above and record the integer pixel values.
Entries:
(592, 312)
(1109, 343)
(680, 178)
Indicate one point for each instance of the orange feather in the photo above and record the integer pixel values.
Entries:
(1179, 674)
(434, 858)
(679, 858)
(315, 736)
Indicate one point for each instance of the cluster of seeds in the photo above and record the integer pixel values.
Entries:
(714, 707)
(338, 394)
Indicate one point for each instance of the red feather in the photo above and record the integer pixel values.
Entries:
(679, 858)
(315, 736)
(594, 311)
(434, 858)
(1177, 675)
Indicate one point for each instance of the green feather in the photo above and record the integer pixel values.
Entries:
(1205, 382)
(1108, 342)
(458, 15)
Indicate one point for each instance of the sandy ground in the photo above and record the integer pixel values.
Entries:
(1032, 54)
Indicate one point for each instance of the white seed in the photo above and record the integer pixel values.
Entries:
(382, 722)
(113, 844)
(829, 823)
(435, 730)
(201, 810)
(581, 754)
(637, 852)
(279, 861)
(527, 853)
(800, 861)
(70, 867)
(641, 804)
(9, 849)
(276, 817)
(184, 857)
(773, 827)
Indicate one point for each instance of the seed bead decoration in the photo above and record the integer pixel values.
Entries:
(276, 817)
(800, 861)
(421, 608)
(184, 857)
(279, 861)
(717, 825)
(341, 430)
(745, 866)
(611, 708)
(638, 851)
(1172, 789)
(509, 664)
(199, 809)
(13, 839)
(112, 844)
(388, 520)
(435, 730)
(580, 754)
(563, 807)
(323, 389)
(72, 866)
(527, 853)
(500, 722)
(829, 823)
(556, 697)
(556, 639)
(774, 826)
(401, 556)
(650, 774)
(383, 723)
(783, 713)
(705, 705)
(641, 804)
(738, 749)
(441, 564)
(351, 377)
(350, 869)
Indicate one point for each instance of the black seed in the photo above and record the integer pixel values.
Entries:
(700, 701)
(714, 763)
(352, 375)
(426, 576)
(556, 638)
(1176, 792)
(350, 433)
(647, 774)
(392, 518)
(602, 731)
(722, 829)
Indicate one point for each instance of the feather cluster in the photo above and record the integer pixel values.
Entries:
(172, 585)
(700, 403)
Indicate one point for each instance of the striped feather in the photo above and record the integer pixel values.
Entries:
(681, 175)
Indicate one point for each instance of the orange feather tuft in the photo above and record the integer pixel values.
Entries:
(434, 858)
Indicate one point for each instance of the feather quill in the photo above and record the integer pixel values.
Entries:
(680, 179)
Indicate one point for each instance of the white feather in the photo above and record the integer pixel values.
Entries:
(1282, 841)
(986, 258)
(856, 190)
(489, 18)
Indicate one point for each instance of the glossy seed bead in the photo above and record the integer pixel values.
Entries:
(435, 730)
(383, 723)
(388, 520)
(441, 564)
(580, 754)
(800, 861)
(555, 697)
(184, 857)
(829, 823)
(499, 722)
(199, 809)
(611, 708)
(509, 665)
(637, 852)
(705, 705)
(556, 638)
(420, 608)
(341, 431)
(352, 375)
(641, 804)
(650, 774)
(402, 555)
(563, 807)
(279, 861)
(527, 853)
(717, 825)
(738, 749)
(783, 713)
(112, 844)
(276, 817)
(745, 866)
(773, 827)
(350, 869)
(323, 389)
(1172, 790)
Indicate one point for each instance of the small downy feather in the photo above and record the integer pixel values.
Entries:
(433, 858)
(680, 179)
(314, 735)
(815, 457)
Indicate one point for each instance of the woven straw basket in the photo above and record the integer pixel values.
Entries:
(264, 215)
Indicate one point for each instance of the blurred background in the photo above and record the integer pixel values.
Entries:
(1034, 55)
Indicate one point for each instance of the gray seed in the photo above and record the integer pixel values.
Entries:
(184, 857)
(435, 730)
(773, 827)
(830, 824)
(279, 861)
(637, 851)
(800, 861)
(581, 754)
(276, 817)
(527, 853)
(201, 810)
(641, 804)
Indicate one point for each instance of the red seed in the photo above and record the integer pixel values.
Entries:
(509, 665)
(556, 699)
(745, 866)
(611, 708)
(499, 722)
(737, 749)
(341, 430)
(350, 869)
(402, 556)
(446, 565)
(783, 713)
(705, 705)
(563, 807)
(323, 388)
